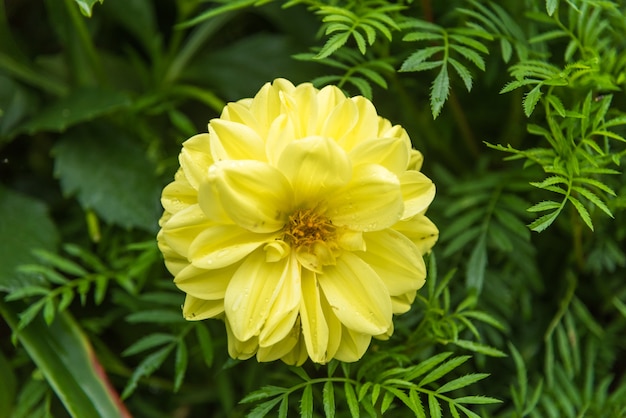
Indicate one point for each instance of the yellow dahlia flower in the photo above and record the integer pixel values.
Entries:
(298, 219)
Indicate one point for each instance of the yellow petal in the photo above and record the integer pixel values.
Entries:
(417, 159)
(371, 201)
(205, 284)
(239, 112)
(266, 105)
(353, 345)
(366, 126)
(418, 191)
(195, 158)
(315, 166)
(402, 303)
(255, 195)
(301, 107)
(298, 354)
(328, 98)
(314, 326)
(280, 134)
(235, 141)
(196, 309)
(281, 348)
(284, 311)
(182, 228)
(174, 262)
(179, 194)
(238, 349)
(395, 259)
(420, 230)
(391, 153)
(341, 121)
(211, 204)
(222, 245)
(252, 291)
(358, 297)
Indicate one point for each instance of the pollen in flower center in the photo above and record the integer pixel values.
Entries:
(307, 227)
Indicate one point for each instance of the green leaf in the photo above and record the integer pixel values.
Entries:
(551, 6)
(79, 106)
(530, 100)
(462, 382)
(426, 365)
(328, 398)
(439, 91)
(433, 406)
(63, 354)
(121, 184)
(411, 63)
(206, 343)
(353, 404)
(26, 292)
(545, 205)
(148, 342)
(476, 265)
(263, 409)
(443, 369)
(334, 43)
(283, 409)
(86, 6)
(157, 316)
(463, 72)
(60, 263)
(180, 364)
(479, 348)
(477, 400)
(25, 226)
(544, 221)
(306, 402)
(265, 392)
(582, 211)
(9, 387)
(147, 366)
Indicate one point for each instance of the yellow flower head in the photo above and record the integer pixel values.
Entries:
(298, 219)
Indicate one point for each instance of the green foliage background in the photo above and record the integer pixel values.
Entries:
(519, 107)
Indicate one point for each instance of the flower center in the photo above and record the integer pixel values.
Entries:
(307, 227)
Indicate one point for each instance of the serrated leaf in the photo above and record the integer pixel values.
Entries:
(426, 365)
(582, 211)
(263, 409)
(530, 100)
(147, 366)
(544, 205)
(283, 409)
(263, 393)
(306, 402)
(387, 400)
(29, 314)
(353, 404)
(463, 72)
(328, 398)
(180, 364)
(48, 273)
(417, 58)
(148, 342)
(593, 198)
(121, 186)
(470, 55)
(477, 400)
(480, 348)
(461, 382)
(334, 43)
(551, 6)
(26, 292)
(433, 406)
(439, 91)
(443, 369)
(506, 49)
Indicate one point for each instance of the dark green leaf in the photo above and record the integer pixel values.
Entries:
(79, 106)
(439, 91)
(582, 211)
(147, 366)
(157, 316)
(531, 99)
(263, 409)
(25, 226)
(476, 265)
(206, 343)
(462, 382)
(62, 352)
(148, 342)
(121, 186)
(180, 364)
(480, 348)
